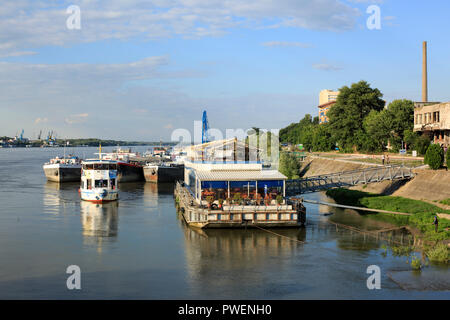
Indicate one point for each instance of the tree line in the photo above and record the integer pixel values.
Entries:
(359, 122)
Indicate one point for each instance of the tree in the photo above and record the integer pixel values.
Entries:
(289, 165)
(347, 115)
(434, 156)
(378, 127)
(447, 158)
(401, 114)
(321, 138)
(300, 132)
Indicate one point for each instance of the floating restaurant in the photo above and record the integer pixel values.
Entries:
(227, 192)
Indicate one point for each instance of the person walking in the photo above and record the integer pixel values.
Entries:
(388, 161)
(382, 159)
(436, 223)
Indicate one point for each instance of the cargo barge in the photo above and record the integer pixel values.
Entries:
(164, 172)
(63, 169)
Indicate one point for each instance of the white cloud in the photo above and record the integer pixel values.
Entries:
(35, 23)
(77, 118)
(326, 67)
(90, 100)
(40, 120)
(287, 44)
(18, 54)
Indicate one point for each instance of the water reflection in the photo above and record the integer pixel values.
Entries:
(59, 195)
(99, 222)
(242, 253)
(155, 191)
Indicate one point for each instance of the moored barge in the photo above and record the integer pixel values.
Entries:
(164, 172)
(66, 169)
(236, 195)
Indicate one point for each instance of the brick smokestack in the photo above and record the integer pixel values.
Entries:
(424, 73)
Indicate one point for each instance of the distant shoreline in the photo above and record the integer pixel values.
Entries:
(7, 142)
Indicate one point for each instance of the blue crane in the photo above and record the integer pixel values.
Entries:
(205, 127)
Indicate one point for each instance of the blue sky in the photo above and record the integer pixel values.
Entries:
(140, 69)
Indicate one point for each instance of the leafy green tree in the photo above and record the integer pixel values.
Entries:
(321, 140)
(346, 116)
(377, 126)
(421, 144)
(447, 158)
(434, 156)
(289, 165)
(401, 115)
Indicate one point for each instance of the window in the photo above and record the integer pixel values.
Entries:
(113, 183)
(89, 184)
(101, 183)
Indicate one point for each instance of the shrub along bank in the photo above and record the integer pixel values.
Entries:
(422, 212)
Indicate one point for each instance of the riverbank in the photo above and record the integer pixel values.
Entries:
(427, 185)
(421, 218)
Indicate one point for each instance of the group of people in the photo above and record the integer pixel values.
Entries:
(385, 159)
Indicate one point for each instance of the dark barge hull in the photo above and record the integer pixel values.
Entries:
(164, 174)
(128, 172)
(63, 174)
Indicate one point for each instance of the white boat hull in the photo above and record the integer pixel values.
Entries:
(99, 195)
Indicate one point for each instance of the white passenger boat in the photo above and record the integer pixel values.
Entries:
(99, 181)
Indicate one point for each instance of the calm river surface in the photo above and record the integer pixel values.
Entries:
(139, 249)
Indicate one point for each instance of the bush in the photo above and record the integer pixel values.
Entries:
(421, 144)
(447, 161)
(439, 253)
(434, 156)
(416, 264)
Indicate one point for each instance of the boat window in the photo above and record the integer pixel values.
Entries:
(89, 184)
(88, 166)
(101, 183)
(113, 183)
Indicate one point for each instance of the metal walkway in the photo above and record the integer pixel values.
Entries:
(347, 179)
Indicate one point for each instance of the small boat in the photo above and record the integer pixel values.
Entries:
(65, 169)
(99, 181)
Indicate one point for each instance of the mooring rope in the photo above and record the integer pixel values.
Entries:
(374, 233)
(279, 235)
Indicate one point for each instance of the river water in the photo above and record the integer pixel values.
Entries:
(138, 248)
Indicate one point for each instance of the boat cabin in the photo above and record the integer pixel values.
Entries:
(99, 180)
(237, 183)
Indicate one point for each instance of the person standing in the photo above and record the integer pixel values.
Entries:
(436, 223)
(382, 159)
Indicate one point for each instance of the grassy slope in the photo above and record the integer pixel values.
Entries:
(422, 217)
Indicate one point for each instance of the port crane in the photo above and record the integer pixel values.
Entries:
(205, 127)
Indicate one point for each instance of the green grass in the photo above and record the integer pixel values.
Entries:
(422, 212)
(445, 201)
(439, 253)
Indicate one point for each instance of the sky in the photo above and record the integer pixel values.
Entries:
(138, 70)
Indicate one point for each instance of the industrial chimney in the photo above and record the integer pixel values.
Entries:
(424, 73)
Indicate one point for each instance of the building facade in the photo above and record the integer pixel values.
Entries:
(327, 95)
(326, 100)
(323, 110)
(434, 121)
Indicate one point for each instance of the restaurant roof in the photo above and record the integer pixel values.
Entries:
(240, 175)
